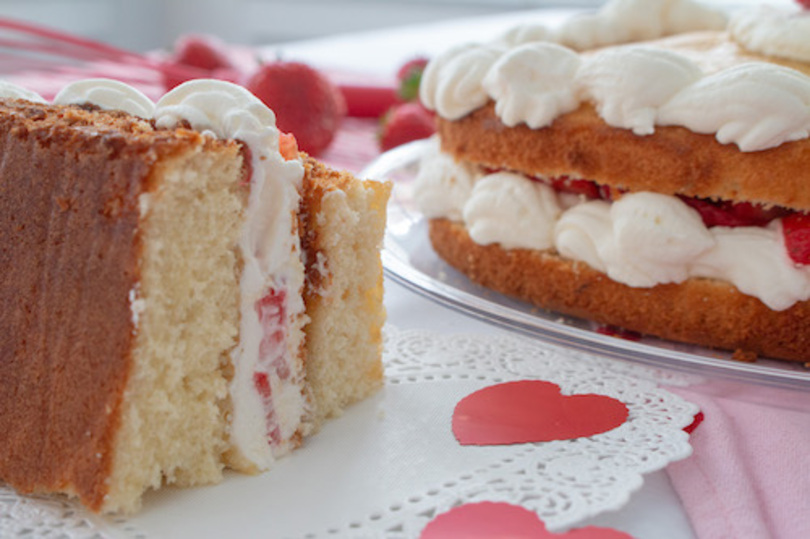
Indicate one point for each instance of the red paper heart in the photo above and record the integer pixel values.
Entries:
(532, 411)
(486, 520)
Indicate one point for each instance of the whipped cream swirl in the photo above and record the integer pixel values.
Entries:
(451, 84)
(632, 102)
(106, 94)
(756, 106)
(9, 90)
(531, 206)
(625, 21)
(773, 32)
(533, 84)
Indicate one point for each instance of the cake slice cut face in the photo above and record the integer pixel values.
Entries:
(659, 186)
(157, 301)
(267, 396)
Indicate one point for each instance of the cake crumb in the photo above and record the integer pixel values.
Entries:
(744, 355)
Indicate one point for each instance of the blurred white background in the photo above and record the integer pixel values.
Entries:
(151, 24)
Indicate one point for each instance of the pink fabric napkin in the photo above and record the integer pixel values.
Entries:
(749, 475)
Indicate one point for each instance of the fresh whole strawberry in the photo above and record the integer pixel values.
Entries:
(306, 103)
(405, 123)
(368, 101)
(198, 56)
(796, 232)
(201, 51)
(409, 77)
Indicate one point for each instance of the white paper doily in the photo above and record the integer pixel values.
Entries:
(391, 463)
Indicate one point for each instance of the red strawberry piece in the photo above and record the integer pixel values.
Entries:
(306, 103)
(287, 146)
(713, 214)
(198, 56)
(796, 232)
(724, 213)
(615, 331)
(804, 3)
(566, 184)
(757, 214)
(409, 77)
(272, 317)
(405, 123)
(262, 383)
(363, 101)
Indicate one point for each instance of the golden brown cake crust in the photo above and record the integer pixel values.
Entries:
(318, 180)
(700, 311)
(673, 160)
(69, 186)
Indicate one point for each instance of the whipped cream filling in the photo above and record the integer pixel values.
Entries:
(268, 402)
(264, 396)
(756, 105)
(532, 206)
(642, 239)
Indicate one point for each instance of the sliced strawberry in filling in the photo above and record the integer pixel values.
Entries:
(272, 361)
(796, 232)
(795, 226)
(733, 214)
(576, 186)
(262, 383)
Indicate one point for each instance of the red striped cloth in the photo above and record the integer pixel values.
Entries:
(354, 147)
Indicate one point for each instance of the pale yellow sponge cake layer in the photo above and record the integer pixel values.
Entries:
(188, 322)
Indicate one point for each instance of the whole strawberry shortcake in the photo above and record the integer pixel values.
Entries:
(644, 166)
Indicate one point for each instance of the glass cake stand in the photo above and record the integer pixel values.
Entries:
(409, 260)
